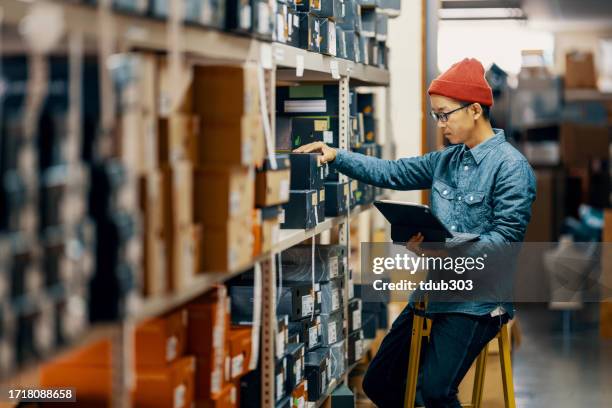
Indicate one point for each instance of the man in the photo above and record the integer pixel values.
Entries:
(480, 184)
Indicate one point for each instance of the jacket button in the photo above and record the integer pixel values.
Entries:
(471, 198)
(445, 192)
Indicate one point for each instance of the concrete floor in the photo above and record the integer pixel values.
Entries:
(556, 370)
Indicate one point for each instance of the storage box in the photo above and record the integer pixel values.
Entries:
(321, 205)
(227, 398)
(293, 28)
(299, 395)
(162, 340)
(337, 195)
(223, 193)
(309, 34)
(317, 370)
(175, 93)
(295, 366)
(239, 350)
(297, 301)
(154, 268)
(354, 315)
(263, 19)
(355, 347)
(331, 295)
(330, 261)
(239, 16)
(337, 353)
(328, 36)
(250, 384)
(301, 210)
(207, 332)
(270, 227)
(307, 100)
(580, 70)
(170, 386)
(308, 331)
(272, 186)
(176, 194)
(368, 22)
(282, 335)
(307, 173)
(382, 20)
(185, 257)
(341, 51)
(225, 93)
(226, 141)
(332, 327)
(226, 247)
(178, 138)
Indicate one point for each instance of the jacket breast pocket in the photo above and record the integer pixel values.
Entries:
(443, 199)
(477, 206)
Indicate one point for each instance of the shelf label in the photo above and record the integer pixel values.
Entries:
(266, 56)
(307, 305)
(331, 333)
(335, 299)
(299, 66)
(313, 336)
(335, 71)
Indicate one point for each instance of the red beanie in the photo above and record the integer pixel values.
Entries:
(464, 81)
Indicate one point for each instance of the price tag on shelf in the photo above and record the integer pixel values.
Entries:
(266, 56)
(299, 66)
(335, 71)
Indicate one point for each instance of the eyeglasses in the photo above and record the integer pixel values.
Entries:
(443, 116)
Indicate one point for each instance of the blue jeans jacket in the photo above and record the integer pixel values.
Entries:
(486, 190)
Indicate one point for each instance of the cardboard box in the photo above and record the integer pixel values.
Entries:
(162, 340)
(272, 186)
(227, 398)
(270, 228)
(87, 370)
(223, 193)
(299, 395)
(207, 332)
(177, 197)
(227, 247)
(170, 386)
(186, 256)
(175, 89)
(238, 141)
(154, 267)
(218, 91)
(178, 138)
(257, 231)
(239, 341)
(580, 70)
(582, 143)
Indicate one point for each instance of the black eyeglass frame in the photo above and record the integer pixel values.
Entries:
(443, 116)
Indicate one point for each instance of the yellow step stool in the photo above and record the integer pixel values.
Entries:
(421, 327)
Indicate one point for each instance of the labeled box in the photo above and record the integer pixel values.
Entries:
(338, 359)
(270, 227)
(169, 386)
(354, 315)
(161, 340)
(307, 173)
(299, 395)
(178, 138)
(177, 197)
(301, 210)
(355, 347)
(307, 331)
(337, 196)
(306, 100)
(332, 327)
(328, 36)
(317, 370)
(331, 295)
(227, 398)
(185, 257)
(226, 247)
(239, 339)
(330, 262)
(309, 33)
(295, 366)
(175, 89)
(223, 193)
(272, 185)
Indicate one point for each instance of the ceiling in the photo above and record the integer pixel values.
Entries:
(550, 14)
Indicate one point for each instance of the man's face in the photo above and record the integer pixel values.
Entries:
(460, 124)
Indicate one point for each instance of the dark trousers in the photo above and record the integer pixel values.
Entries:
(456, 340)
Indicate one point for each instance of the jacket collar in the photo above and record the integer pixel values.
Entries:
(481, 150)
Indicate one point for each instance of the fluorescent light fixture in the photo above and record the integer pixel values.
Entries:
(501, 13)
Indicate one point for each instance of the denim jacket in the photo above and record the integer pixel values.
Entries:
(486, 190)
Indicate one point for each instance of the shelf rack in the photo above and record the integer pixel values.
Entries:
(283, 63)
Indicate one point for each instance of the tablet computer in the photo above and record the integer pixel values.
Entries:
(408, 219)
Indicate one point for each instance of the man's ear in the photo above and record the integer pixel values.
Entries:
(476, 110)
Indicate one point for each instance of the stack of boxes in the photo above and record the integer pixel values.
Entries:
(232, 145)
(46, 239)
(319, 328)
(317, 24)
(258, 18)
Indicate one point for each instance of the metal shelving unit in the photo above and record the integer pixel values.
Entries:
(282, 63)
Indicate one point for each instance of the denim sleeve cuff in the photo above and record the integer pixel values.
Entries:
(340, 160)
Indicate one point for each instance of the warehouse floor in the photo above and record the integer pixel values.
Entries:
(553, 370)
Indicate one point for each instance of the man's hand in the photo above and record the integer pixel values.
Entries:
(328, 154)
(414, 245)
